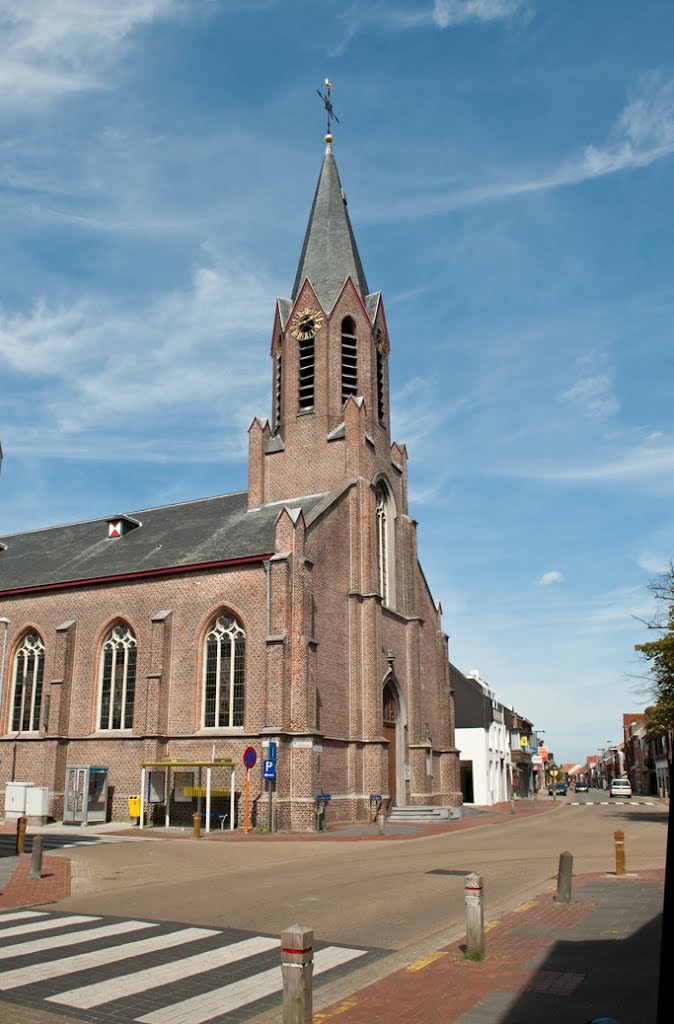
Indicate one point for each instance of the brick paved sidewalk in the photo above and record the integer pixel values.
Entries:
(22, 891)
(545, 964)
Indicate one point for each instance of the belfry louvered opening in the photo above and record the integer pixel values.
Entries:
(279, 402)
(381, 410)
(307, 373)
(349, 359)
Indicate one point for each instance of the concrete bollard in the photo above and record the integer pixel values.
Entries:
(619, 852)
(196, 826)
(297, 968)
(381, 820)
(512, 806)
(564, 877)
(474, 897)
(21, 834)
(36, 858)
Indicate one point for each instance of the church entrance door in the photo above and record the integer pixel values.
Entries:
(390, 729)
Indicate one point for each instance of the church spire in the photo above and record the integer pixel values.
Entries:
(329, 254)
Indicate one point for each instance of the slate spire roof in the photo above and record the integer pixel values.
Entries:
(329, 254)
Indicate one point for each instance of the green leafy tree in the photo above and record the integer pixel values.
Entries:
(660, 655)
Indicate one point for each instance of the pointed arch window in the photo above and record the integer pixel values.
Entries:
(382, 516)
(118, 679)
(28, 675)
(224, 673)
(349, 359)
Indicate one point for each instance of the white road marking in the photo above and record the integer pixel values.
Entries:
(99, 957)
(59, 941)
(43, 926)
(21, 915)
(163, 974)
(240, 993)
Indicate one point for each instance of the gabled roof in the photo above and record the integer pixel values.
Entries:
(209, 531)
(329, 254)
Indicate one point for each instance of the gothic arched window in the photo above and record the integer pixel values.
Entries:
(224, 673)
(349, 359)
(382, 523)
(28, 673)
(118, 679)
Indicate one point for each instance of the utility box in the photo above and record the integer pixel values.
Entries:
(37, 805)
(15, 799)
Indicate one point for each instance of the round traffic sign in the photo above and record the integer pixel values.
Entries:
(249, 757)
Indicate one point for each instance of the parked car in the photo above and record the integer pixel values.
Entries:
(561, 788)
(621, 787)
(581, 787)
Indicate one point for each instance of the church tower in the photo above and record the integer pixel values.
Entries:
(357, 670)
(330, 352)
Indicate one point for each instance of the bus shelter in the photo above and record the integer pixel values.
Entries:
(157, 777)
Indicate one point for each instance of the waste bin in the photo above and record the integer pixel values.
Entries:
(134, 808)
(321, 807)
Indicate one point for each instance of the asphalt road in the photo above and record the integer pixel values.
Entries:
(384, 894)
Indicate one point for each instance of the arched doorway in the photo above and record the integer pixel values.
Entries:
(391, 719)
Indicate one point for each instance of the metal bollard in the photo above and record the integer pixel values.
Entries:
(21, 834)
(36, 858)
(381, 820)
(474, 896)
(564, 877)
(196, 826)
(619, 852)
(297, 968)
(512, 806)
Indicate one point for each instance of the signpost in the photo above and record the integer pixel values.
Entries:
(269, 773)
(249, 759)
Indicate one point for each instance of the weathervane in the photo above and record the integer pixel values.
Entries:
(332, 116)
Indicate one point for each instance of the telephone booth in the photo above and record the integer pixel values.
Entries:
(86, 795)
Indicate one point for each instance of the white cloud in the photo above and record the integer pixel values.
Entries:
(190, 356)
(52, 47)
(593, 395)
(384, 16)
(453, 12)
(553, 576)
(642, 134)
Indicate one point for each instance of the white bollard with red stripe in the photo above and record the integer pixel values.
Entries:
(474, 894)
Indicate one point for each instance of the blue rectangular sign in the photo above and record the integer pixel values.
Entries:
(268, 768)
(271, 753)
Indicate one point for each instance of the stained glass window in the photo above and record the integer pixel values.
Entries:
(224, 673)
(28, 673)
(118, 679)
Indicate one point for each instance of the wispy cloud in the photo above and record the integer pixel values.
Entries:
(384, 16)
(592, 393)
(553, 576)
(642, 134)
(51, 48)
(102, 370)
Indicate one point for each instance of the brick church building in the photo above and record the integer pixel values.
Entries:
(295, 611)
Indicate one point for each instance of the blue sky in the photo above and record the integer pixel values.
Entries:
(509, 166)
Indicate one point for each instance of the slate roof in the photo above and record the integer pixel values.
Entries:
(329, 254)
(192, 533)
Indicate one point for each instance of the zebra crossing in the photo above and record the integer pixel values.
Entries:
(146, 972)
(55, 841)
(612, 803)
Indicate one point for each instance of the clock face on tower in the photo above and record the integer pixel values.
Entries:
(306, 323)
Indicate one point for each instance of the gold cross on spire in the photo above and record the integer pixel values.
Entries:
(332, 116)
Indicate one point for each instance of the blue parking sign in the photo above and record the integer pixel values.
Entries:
(268, 768)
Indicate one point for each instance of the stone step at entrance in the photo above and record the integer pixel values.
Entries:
(427, 814)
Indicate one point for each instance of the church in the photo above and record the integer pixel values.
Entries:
(292, 617)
